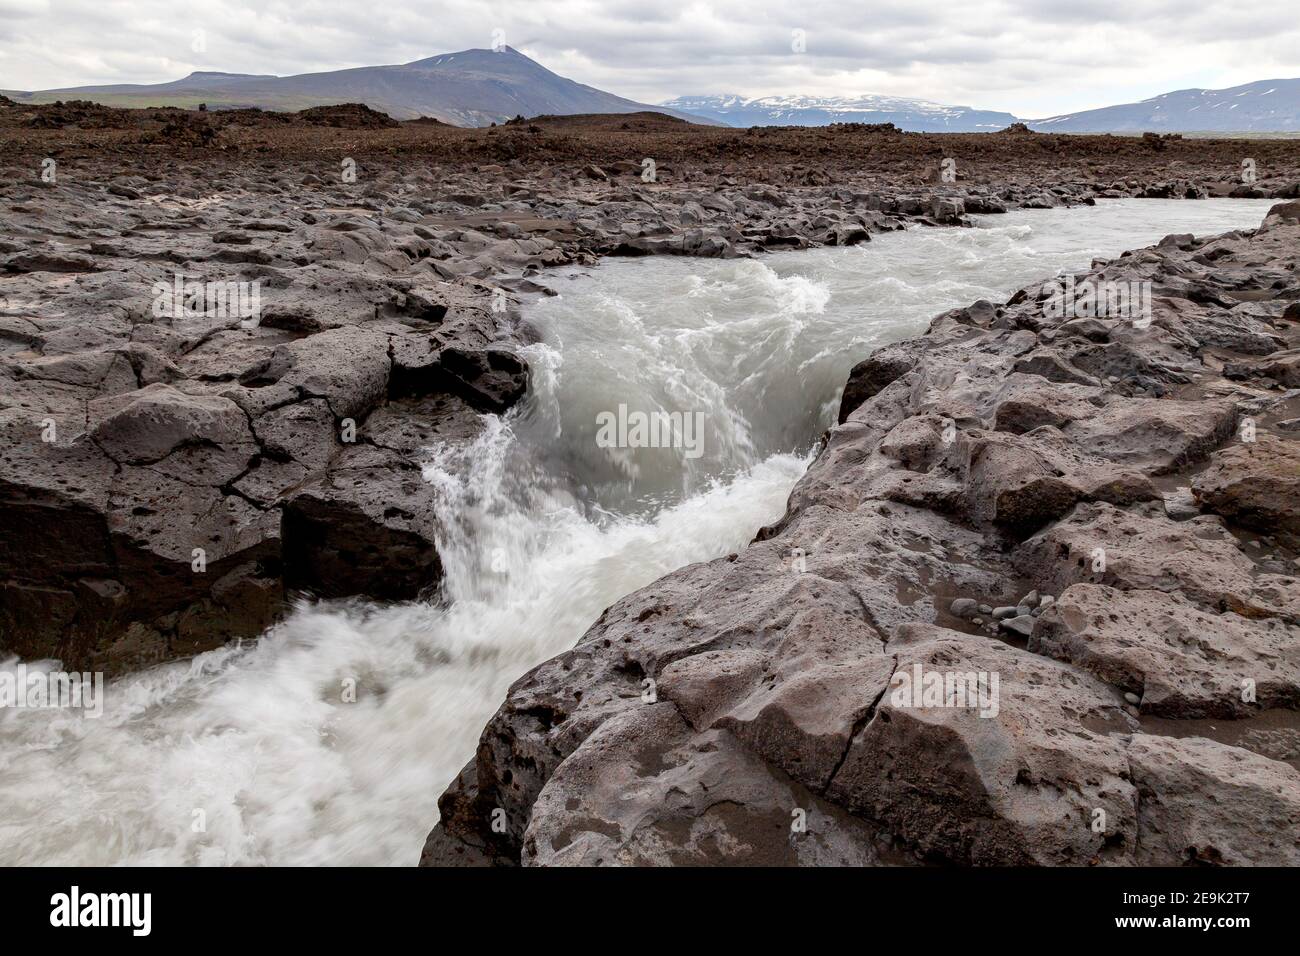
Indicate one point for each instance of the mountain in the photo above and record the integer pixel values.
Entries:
(919, 116)
(1271, 106)
(479, 87)
(1265, 106)
(469, 88)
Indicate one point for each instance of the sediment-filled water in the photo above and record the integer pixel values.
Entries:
(256, 754)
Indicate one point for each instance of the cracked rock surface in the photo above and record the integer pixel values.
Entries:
(169, 476)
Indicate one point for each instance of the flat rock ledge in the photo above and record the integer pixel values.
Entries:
(1089, 524)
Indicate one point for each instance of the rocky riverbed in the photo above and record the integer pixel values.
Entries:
(227, 340)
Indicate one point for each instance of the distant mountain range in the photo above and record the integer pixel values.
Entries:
(469, 88)
(480, 87)
(919, 116)
(1266, 106)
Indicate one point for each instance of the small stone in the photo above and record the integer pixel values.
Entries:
(1180, 505)
(977, 620)
(1030, 599)
(1022, 625)
(1006, 611)
(963, 607)
(1132, 698)
(986, 609)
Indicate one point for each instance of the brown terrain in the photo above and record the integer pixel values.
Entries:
(170, 477)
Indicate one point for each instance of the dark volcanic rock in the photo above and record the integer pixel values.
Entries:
(172, 467)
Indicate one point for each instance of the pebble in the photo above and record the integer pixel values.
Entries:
(1005, 612)
(1132, 698)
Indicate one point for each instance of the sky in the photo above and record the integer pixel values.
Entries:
(1033, 58)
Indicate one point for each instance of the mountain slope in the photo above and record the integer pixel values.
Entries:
(1263, 106)
(469, 88)
(908, 114)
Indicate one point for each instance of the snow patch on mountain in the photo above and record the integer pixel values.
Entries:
(799, 110)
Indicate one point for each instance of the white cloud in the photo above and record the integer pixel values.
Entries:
(1030, 57)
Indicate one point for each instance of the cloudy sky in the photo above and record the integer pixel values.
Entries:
(1033, 58)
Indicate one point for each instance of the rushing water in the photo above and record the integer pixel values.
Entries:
(252, 755)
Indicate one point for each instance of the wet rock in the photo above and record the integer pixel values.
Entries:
(165, 476)
(1204, 803)
(1254, 484)
(1015, 783)
(871, 376)
(1181, 660)
(682, 800)
(145, 426)
(367, 527)
(1100, 544)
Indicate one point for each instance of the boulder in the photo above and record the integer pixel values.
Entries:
(1254, 484)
